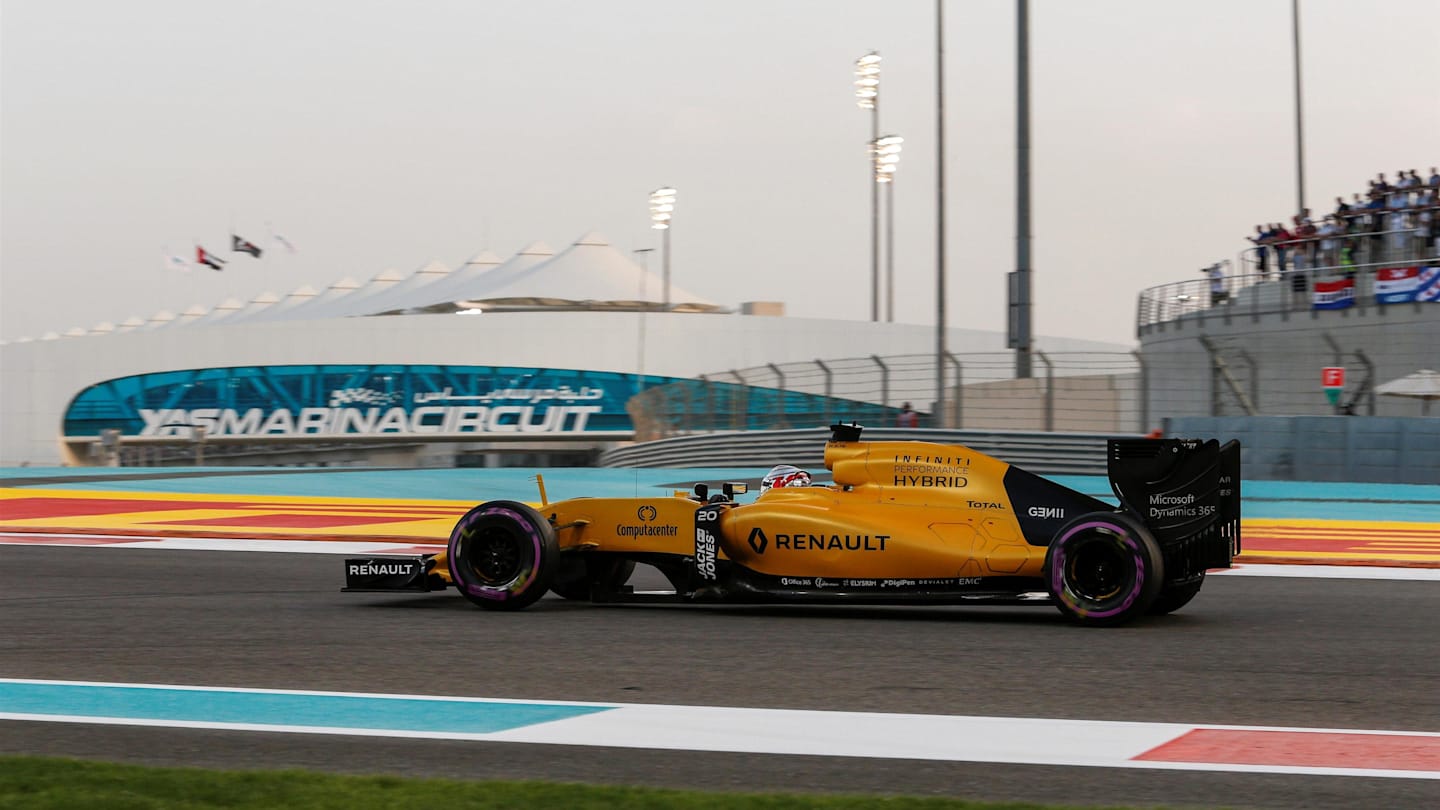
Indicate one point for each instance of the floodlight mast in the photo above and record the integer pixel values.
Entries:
(867, 97)
(1020, 307)
(662, 210)
(887, 160)
(941, 350)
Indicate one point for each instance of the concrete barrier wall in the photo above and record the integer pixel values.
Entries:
(1094, 403)
(1394, 450)
(1275, 359)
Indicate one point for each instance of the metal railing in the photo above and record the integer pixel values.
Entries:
(1073, 392)
(1364, 246)
(1261, 293)
(1042, 453)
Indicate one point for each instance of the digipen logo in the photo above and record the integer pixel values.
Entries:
(646, 513)
(758, 540)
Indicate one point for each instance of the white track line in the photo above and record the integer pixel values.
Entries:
(948, 738)
(349, 547)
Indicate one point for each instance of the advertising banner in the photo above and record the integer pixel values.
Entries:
(339, 402)
(1337, 294)
(1402, 285)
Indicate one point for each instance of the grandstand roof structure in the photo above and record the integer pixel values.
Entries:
(296, 297)
(317, 304)
(484, 271)
(591, 272)
(258, 304)
(391, 283)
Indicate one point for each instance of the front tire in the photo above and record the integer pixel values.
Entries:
(1104, 569)
(503, 555)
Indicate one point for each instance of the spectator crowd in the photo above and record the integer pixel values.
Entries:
(1396, 221)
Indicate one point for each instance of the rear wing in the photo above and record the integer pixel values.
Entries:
(1182, 489)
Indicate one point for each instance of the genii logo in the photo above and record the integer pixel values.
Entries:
(758, 540)
(646, 513)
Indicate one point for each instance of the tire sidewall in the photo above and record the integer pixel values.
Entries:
(1175, 596)
(536, 545)
(1134, 545)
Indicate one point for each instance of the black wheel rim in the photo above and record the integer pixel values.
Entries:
(493, 555)
(1098, 570)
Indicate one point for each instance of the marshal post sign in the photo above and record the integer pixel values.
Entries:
(1332, 379)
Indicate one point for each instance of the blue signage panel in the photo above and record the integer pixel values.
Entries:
(358, 400)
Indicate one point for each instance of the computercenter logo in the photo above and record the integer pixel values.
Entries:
(647, 515)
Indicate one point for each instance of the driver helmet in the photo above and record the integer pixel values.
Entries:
(784, 475)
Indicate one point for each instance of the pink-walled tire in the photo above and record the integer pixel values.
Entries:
(1176, 595)
(503, 555)
(1104, 569)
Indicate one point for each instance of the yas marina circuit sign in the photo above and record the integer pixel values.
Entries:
(272, 402)
(366, 411)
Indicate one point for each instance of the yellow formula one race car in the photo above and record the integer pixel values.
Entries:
(902, 523)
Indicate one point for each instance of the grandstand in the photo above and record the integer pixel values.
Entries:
(555, 356)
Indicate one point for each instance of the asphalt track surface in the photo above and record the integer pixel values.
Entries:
(1361, 654)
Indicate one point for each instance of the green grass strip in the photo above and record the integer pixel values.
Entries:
(46, 783)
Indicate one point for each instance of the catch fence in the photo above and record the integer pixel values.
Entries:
(1071, 391)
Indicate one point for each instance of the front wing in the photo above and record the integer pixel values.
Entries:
(388, 574)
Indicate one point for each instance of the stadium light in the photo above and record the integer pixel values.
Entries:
(662, 210)
(887, 157)
(662, 207)
(867, 81)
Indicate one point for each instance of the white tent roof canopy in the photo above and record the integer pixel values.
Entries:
(300, 295)
(392, 284)
(314, 305)
(480, 273)
(353, 304)
(589, 272)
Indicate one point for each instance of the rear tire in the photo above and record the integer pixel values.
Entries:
(1104, 569)
(1176, 595)
(503, 555)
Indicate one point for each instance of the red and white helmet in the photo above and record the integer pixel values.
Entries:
(784, 475)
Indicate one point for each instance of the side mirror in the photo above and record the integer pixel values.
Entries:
(733, 488)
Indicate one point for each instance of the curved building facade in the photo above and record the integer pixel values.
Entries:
(1264, 350)
(540, 353)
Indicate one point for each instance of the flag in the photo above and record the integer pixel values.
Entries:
(242, 245)
(283, 242)
(1395, 285)
(205, 257)
(173, 262)
(1337, 294)
(1429, 289)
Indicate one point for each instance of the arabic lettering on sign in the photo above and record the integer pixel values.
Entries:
(531, 395)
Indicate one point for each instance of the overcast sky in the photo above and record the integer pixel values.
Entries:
(378, 135)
